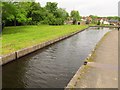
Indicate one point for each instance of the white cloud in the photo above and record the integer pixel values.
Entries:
(87, 7)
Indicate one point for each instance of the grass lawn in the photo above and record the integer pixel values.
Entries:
(16, 38)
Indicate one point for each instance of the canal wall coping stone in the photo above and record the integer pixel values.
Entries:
(20, 53)
(8, 58)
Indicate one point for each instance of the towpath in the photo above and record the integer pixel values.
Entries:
(103, 72)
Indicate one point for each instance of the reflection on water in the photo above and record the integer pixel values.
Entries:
(53, 66)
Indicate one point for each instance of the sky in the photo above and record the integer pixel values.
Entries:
(88, 7)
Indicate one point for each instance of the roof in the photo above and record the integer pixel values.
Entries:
(115, 21)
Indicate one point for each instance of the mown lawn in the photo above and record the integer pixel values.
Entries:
(15, 38)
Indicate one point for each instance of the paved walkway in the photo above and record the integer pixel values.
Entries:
(103, 72)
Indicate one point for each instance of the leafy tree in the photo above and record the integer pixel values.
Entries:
(21, 16)
(118, 18)
(24, 13)
(51, 7)
(51, 19)
(26, 8)
(113, 17)
(57, 15)
(35, 13)
(14, 12)
(9, 12)
(75, 15)
(61, 13)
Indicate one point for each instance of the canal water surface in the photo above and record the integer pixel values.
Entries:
(52, 66)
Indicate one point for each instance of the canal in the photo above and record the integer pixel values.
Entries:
(54, 65)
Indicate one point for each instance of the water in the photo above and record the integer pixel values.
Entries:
(52, 66)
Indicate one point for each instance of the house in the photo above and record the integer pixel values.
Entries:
(81, 23)
(83, 19)
(96, 20)
(87, 19)
(101, 21)
(113, 22)
(104, 21)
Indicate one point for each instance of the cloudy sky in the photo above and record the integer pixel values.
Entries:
(88, 7)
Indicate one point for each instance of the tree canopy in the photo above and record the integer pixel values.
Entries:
(75, 16)
(31, 13)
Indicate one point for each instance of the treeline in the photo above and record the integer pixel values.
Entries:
(108, 17)
(31, 13)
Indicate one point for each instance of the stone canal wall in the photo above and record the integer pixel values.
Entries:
(20, 53)
(8, 58)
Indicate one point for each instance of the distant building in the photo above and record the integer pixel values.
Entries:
(81, 23)
(104, 21)
(101, 21)
(87, 19)
(113, 22)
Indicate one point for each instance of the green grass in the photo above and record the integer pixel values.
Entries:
(16, 38)
(92, 24)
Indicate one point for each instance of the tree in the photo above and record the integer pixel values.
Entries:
(24, 13)
(14, 13)
(62, 13)
(35, 13)
(21, 16)
(113, 17)
(56, 16)
(118, 18)
(75, 15)
(9, 12)
(51, 7)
